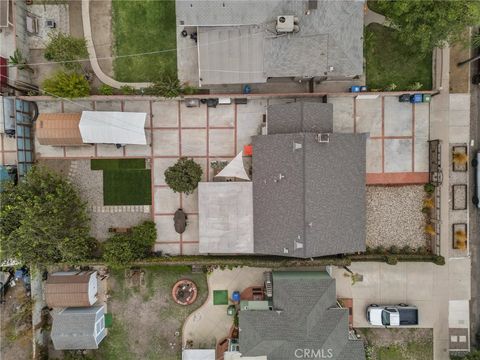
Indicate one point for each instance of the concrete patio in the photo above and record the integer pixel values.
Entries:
(210, 323)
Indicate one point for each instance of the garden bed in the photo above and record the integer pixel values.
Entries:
(460, 158)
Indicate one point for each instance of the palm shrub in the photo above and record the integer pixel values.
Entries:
(66, 84)
(184, 176)
(460, 158)
(18, 60)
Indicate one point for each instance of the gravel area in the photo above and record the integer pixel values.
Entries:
(89, 182)
(100, 222)
(394, 216)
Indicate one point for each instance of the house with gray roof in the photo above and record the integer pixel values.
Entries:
(78, 328)
(249, 41)
(308, 184)
(305, 322)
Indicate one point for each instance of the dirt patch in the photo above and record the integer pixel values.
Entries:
(61, 167)
(398, 344)
(16, 325)
(460, 75)
(147, 323)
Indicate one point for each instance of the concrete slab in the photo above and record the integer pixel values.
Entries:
(10, 158)
(139, 150)
(421, 155)
(248, 125)
(77, 106)
(459, 134)
(459, 101)
(190, 202)
(194, 142)
(165, 229)
(369, 116)
(190, 249)
(393, 283)
(170, 249)
(398, 117)
(113, 105)
(221, 142)
(253, 106)
(109, 150)
(342, 113)
(191, 232)
(166, 201)
(47, 151)
(165, 113)
(193, 117)
(9, 144)
(398, 155)
(459, 117)
(165, 142)
(374, 156)
(422, 120)
(274, 101)
(80, 151)
(49, 106)
(159, 167)
(419, 273)
(137, 106)
(221, 116)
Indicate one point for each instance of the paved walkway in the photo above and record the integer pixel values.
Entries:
(87, 33)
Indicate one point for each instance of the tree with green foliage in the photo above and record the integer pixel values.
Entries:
(474, 355)
(43, 220)
(425, 24)
(122, 249)
(184, 176)
(66, 49)
(68, 85)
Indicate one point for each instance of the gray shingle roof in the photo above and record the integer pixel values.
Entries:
(304, 317)
(329, 42)
(309, 197)
(300, 116)
(74, 328)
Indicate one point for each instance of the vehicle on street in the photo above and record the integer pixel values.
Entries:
(392, 315)
(476, 194)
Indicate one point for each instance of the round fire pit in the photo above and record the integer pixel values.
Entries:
(184, 292)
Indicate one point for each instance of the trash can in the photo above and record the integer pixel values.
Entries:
(416, 98)
(427, 98)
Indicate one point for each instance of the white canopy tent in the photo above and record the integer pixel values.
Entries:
(235, 169)
(113, 127)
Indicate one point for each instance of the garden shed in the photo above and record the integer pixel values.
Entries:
(71, 289)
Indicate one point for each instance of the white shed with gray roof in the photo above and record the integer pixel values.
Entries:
(78, 328)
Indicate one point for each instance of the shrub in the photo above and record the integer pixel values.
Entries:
(391, 260)
(394, 250)
(369, 250)
(18, 60)
(168, 86)
(391, 87)
(122, 249)
(429, 203)
(68, 85)
(66, 50)
(422, 250)
(430, 230)
(415, 86)
(127, 90)
(189, 90)
(429, 188)
(380, 249)
(184, 176)
(407, 249)
(460, 158)
(105, 89)
(439, 260)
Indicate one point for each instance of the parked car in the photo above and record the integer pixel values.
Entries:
(476, 175)
(392, 315)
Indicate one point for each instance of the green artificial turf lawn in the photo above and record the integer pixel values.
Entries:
(388, 61)
(116, 164)
(220, 297)
(127, 187)
(142, 26)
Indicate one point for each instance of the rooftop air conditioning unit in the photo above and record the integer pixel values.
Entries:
(50, 24)
(323, 138)
(287, 23)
